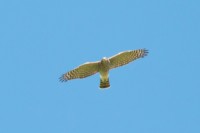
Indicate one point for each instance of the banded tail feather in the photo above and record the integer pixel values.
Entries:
(104, 84)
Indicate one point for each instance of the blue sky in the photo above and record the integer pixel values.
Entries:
(42, 39)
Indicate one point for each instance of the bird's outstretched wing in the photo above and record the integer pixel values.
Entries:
(81, 71)
(125, 57)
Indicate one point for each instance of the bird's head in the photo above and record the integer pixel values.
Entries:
(105, 60)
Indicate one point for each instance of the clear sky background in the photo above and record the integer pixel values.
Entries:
(42, 39)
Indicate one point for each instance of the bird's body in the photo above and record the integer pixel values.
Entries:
(104, 66)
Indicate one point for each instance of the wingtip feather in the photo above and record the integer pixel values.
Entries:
(62, 78)
(145, 52)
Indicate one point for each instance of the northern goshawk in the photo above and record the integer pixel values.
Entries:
(103, 66)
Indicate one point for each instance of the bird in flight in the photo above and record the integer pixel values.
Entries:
(104, 66)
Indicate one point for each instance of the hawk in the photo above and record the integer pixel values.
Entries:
(104, 66)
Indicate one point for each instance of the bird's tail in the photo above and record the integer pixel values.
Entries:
(104, 84)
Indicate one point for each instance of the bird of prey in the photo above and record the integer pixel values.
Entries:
(104, 66)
